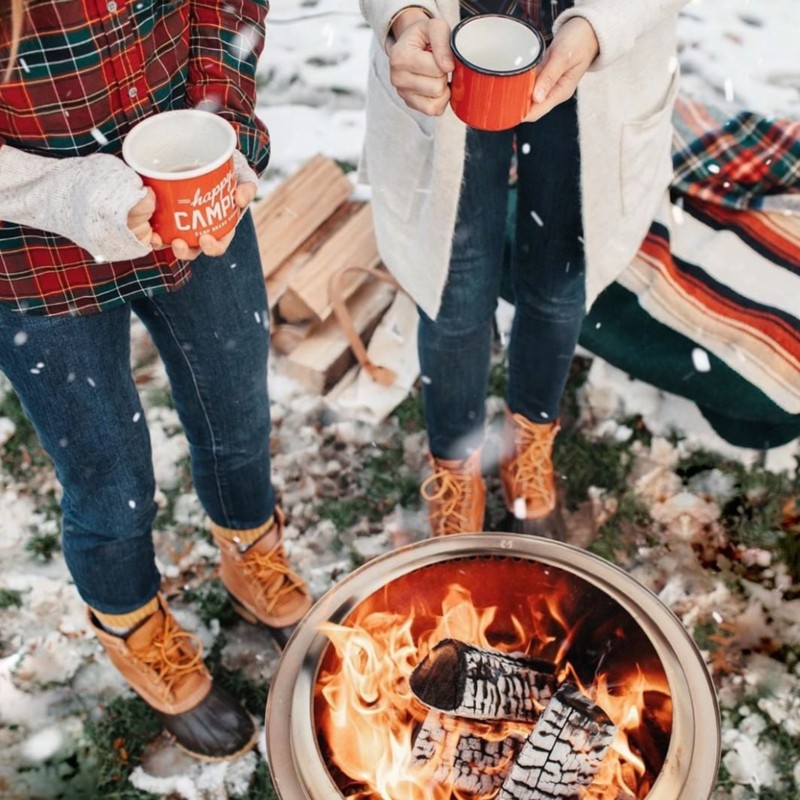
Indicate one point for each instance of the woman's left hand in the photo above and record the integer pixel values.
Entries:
(570, 54)
(209, 246)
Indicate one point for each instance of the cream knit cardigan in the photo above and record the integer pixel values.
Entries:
(415, 163)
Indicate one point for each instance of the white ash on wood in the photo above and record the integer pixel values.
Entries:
(464, 760)
(563, 752)
(477, 683)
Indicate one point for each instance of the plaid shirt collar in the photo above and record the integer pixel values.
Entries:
(87, 71)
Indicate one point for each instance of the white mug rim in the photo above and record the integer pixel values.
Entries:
(497, 72)
(156, 119)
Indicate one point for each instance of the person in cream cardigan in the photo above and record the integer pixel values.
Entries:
(593, 161)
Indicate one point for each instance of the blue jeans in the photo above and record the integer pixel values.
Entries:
(547, 279)
(73, 378)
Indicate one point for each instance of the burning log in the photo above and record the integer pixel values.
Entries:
(482, 684)
(563, 752)
(464, 760)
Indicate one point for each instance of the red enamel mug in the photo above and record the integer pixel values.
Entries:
(497, 59)
(186, 158)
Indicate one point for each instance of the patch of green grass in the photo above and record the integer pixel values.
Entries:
(625, 531)
(498, 379)
(376, 487)
(261, 787)
(23, 450)
(343, 512)
(409, 415)
(583, 463)
(42, 546)
(785, 746)
(117, 742)
(570, 406)
(752, 516)
(211, 601)
(385, 482)
(10, 598)
(166, 514)
(702, 633)
(252, 695)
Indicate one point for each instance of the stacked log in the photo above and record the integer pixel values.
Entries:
(466, 761)
(309, 229)
(568, 735)
(563, 752)
(481, 684)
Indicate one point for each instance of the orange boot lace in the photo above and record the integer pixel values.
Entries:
(527, 469)
(456, 496)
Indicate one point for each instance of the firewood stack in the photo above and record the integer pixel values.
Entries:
(498, 722)
(309, 228)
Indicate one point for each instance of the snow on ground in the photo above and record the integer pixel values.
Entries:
(54, 679)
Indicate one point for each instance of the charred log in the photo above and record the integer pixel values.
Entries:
(464, 760)
(563, 752)
(482, 684)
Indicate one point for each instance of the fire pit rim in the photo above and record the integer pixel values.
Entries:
(296, 764)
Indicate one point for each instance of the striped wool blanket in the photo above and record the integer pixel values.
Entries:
(721, 263)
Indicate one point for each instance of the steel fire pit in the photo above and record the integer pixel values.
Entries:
(601, 597)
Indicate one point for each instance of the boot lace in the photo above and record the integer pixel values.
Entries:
(450, 496)
(168, 657)
(532, 469)
(271, 577)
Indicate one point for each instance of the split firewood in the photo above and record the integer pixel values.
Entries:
(464, 760)
(287, 270)
(353, 245)
(296, 208)
(324, 356)
(564, 751)
(482, 684)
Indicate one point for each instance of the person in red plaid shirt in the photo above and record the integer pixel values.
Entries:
(77, 256)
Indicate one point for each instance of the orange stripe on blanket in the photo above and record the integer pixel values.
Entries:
(777, 232)
(770, 330)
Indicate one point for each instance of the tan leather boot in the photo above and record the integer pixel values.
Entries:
(262, 585)
(528, 479)
(456, 495)
(163, 664)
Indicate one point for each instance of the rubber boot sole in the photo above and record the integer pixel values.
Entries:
(217, 759)
(280, 635)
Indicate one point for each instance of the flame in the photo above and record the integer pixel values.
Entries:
(367, 716)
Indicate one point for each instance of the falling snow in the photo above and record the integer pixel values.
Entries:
(99, 136)
(313, 77)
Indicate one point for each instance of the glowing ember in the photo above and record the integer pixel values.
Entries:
(380, 741)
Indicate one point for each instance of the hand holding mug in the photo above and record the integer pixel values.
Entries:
(188, 158)
(570, 54)
(420, 60)
(497, 60)
(246, 187)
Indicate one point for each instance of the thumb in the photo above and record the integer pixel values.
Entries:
(439, 39)
(544, 83)
(548, 76)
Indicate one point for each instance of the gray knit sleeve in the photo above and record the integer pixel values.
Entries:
(84, 199)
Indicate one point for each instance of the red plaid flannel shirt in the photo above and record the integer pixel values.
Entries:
(87, 71)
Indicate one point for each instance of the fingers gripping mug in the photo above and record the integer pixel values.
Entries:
(496, 61)
(186, 158)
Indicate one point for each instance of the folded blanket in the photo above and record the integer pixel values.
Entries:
(721, 263)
